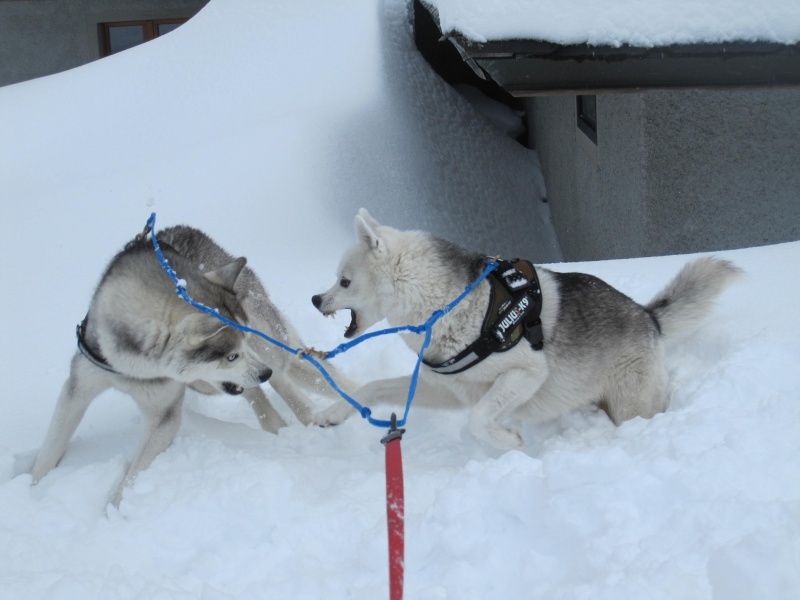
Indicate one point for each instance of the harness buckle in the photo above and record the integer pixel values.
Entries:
(533, 333)
(514, 280)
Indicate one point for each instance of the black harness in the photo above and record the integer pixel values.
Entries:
(515, 306)
(93, 357)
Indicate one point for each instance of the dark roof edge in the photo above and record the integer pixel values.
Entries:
(548, 50)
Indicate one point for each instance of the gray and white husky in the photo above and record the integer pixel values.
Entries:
(141, 338)
(600, 347)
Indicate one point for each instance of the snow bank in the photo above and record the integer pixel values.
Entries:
(700, 502)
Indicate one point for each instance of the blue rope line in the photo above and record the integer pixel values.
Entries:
(364, 411)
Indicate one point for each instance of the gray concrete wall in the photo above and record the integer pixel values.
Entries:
(42, 37)
(591, 190)
(723, 169)
(672, 172)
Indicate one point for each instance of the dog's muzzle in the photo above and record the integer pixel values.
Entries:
(316, 300)
(234, 389)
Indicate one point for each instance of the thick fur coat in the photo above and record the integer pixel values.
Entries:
(600, 347)
(154, 345)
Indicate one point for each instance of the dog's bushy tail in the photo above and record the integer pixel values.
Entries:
(689, 297)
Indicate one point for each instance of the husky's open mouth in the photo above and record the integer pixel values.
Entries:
(351, 329)
(233, 389)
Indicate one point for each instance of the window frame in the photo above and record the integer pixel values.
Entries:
(150, 28)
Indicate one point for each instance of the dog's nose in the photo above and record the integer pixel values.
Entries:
(316, 300)
(264, 375)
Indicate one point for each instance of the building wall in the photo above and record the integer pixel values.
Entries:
(724, 168)
(42, 37)
(672, 171)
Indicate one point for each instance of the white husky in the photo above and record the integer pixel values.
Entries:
(599, 346)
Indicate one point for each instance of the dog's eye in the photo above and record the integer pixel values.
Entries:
(232, 357)
(344, 282)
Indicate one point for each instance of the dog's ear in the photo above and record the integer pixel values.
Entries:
(367, 233)
(368, 218)
(197, 327)
(227, 275)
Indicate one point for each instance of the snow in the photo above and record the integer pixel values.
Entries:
(643, 23)
(267, 125)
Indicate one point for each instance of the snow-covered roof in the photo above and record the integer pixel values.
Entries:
(643, 23)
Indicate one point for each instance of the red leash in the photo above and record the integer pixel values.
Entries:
(395, 509)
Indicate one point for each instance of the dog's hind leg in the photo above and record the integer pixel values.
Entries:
(161, 404)
(268, 417)
(84, 384)
(637, 388)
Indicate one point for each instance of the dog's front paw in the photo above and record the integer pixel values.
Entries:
(508, 440)
(500, 437)
(334, 414)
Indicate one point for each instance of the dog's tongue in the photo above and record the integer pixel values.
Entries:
(351, 329)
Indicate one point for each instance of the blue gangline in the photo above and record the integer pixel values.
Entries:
(364, 411)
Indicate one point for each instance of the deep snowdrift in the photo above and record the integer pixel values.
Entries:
(269, 137)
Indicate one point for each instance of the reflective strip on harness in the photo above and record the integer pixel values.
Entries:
(456, 365)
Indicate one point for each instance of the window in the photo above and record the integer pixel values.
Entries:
(587, 116)
(116, 37)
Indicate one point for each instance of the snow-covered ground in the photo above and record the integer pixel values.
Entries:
(268, 124)
(644, 23)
